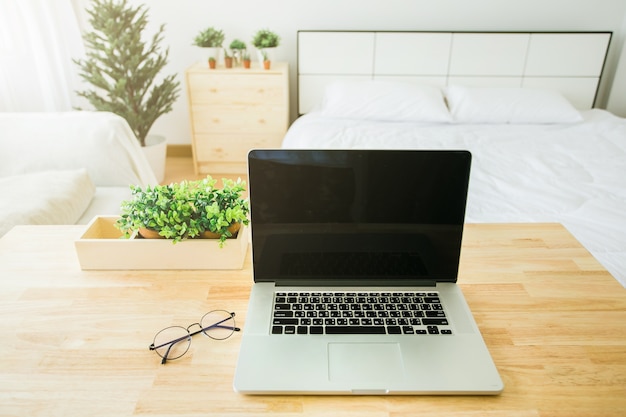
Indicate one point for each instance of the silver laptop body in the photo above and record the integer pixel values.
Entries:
(355, 262)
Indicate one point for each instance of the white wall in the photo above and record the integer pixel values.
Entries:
(241, 18)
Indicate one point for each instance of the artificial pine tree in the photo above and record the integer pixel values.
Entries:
(124, 68)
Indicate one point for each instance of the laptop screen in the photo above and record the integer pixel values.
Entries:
(357, 217)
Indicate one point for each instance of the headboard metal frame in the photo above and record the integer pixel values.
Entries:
(569, 62)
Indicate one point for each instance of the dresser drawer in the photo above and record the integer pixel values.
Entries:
(237, 89)
(229, 147)
(238, 119)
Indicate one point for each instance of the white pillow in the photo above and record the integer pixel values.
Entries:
(509, 105)
(45, 197)
(385, 100)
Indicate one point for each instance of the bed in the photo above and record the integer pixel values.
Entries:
(522, 103)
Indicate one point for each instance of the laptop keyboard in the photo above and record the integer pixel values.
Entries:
(414, 313)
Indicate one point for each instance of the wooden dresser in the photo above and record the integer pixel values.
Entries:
(234, 110)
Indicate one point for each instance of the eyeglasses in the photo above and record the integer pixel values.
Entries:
(173, 342)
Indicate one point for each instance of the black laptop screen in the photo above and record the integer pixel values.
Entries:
(363, 217)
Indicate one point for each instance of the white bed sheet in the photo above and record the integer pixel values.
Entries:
(574, 174)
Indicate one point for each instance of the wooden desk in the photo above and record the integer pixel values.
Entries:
(76, 342)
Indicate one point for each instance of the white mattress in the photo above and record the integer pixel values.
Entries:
(574, 174)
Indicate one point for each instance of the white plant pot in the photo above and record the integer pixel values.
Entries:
(210, 53)
(270, 54)
(155, 151)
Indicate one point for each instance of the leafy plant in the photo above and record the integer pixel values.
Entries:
(185, 210)
(265, 38)
(237, 49)
(209, 38)
(237, 45)
(227, 207)
(124, 69)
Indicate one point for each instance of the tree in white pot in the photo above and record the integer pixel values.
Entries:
(124, 68)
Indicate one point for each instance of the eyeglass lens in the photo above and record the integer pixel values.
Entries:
(172, 342)
(218, 324)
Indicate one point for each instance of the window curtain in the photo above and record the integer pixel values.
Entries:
(38, 40)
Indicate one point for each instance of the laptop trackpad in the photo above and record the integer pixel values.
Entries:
(361, 362)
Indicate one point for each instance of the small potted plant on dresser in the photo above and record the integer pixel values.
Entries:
(228, 59)
(246, 59)
(237, 49)
(265, 41)
(210, 38)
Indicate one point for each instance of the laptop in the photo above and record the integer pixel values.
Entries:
(355, 262)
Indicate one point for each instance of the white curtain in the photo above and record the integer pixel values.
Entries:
(38, 40)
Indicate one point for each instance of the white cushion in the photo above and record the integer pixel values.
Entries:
(385, 101)
(45, 197)
(509, 105)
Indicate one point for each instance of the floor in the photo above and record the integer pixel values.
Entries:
(178, 168)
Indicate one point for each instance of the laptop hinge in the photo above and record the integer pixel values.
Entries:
(354, 283)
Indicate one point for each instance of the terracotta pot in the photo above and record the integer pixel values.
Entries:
(267, 64)
(149, 234)
(212, 64)
(228, 62)
(246, 63)
(233, 229)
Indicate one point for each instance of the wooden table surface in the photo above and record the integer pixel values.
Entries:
(75, 343)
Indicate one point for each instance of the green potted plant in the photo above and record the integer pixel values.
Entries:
(124, 68)
(212, 63)
(211, 38)
(237, 48)
(123, 65)
(265, 40)
(246, 59)
(227, 210)
(228, 59)
(185, 210)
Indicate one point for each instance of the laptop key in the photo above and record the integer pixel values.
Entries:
(285, 321)
(303, 330)
(355, 330)
(440, 322)
(277, 329)
(394, 330)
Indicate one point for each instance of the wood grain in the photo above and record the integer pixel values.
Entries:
(76, 342)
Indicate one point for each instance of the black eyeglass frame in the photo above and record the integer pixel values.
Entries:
(171, 343)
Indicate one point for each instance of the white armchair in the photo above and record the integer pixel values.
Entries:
(65, 168)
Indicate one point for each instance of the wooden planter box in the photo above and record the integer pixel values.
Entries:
(102, 246)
